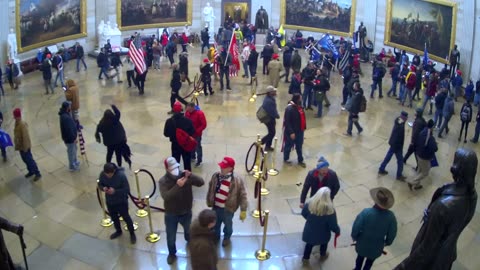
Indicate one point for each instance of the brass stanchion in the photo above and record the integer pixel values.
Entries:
(151, 237)
(256, 212)
(264, 190)
(256, 167)
(273, 171)
(139, 212)
(135, 226)
(263, 254)
(106, 221)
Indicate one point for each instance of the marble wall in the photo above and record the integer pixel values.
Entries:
(373, 17)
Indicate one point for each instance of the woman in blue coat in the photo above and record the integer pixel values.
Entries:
(374, 228)
(321, 221)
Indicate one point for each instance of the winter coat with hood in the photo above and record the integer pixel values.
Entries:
(71, 94)
(119, 182)
(112, 133)
(448, 108)
(198, 120)
(177, 121)
(6, 262)
(68, 127)
(203, 250)
(397, 137)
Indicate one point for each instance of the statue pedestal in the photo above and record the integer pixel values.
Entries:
(260, 39)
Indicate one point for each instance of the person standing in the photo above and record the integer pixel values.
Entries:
(175, 84)
(296, 83)
(396, 141)
(477, 128)
(6, 262)
(410, 83)
(114, 136)
(199, 124)
(253, 62)
(425, 148)
(418, 83)
(68, 129)
(466, 114)
(130, 71)
(206, 76)
(321, 221)
(270, 106)
(3, 148)
(116, 63)
(377, 76)
(245, 54)
(23, 145)
(450, 211)
(170, 50)
(224, 61)
(267, 55)
(439, 103)
(114, 183)
(202, 245)
(71, 95)
(353, 116)
(294, 124)
(80, 56)
(157, 53)
(46, 69)
(403, 81)
(183, 66)
(12, 73)
(103, 64)
(374, 228)
(454, 60)
(296, 61)
(140, 82)
(58, 64)
(176, 191)
(457, 83)
(287, 62)
(448, 109)
(205, 39)
(320, 87)
(321, 176)
(274, 69)
(179, 121)
(226, 193)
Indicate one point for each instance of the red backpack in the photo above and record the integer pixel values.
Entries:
(412, 80)
(187, 142)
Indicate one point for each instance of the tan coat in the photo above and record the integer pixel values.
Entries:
(237, 196)
(71, 94)
(203, 250)
(21, 136)
(274, 68)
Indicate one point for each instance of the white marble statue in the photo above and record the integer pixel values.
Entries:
(12, 45)
(107, 32)
(100, 27)
(186, 30)
(209, 18)
(115, 30)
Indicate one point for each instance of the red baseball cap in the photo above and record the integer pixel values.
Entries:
(227, 162)
(177, 107)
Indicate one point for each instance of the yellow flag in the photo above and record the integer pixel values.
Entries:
(282, 32)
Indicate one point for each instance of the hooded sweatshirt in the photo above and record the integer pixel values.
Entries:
(71, 94)
(203, 251)
(68, 127)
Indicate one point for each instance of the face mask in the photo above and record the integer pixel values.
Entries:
(175, 172)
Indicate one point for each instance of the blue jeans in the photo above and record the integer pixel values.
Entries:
(226, 217)
(374, 87)
(438, 117)
(72, 156)
(171, 224)
(359, 262)
(198, 152)
(345, 94)
(245, 68)
(425, 100)
(309, 247)
(388, 157)
(307, 96)
(59, 75)
(78, 63)
(351, 121)
(103, 70)
(393, 90)
(30, 162)
(477, 132)
(402, 91)
(298, 142)
(445, 126)
(407, 93)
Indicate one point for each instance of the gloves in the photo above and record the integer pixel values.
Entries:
(243, 215)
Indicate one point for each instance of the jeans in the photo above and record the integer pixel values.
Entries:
(130, 78)
(78, 64)
(30, 162)
(416, 93)
(464, 125)
(425, 100)
(178, 152)
(48, 85)
(388, 157)
(458, 90)
(170, 58)
(245, 68)
(309, 247)
(72, 156)
(267, 140)
(226, 217)
(174, 97)
(351, 122)
(320, 105)
(266, 60)
(59, 75)
(207, 84)
(345, 94)
(393, 90)
(374, 87)
(224, 72)
(298, 142)
(407, 93)
(444, 126)
(103, 70)
(205, 45)
(477, 132)
(402, 91)
(120, 210)
(4, 152)
(410, 151)
(198, 152)
(438, 117)
(171, 224)
(156, 61)
(307, 95)
(359, 262)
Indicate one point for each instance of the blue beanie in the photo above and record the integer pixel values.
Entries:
(322, 163)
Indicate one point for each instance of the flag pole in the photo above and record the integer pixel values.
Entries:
(228, 51)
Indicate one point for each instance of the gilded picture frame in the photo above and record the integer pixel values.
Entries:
(338, 19)
(49, 22)
(150, 14)
(435, 23)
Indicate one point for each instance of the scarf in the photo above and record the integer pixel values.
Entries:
(303, 120)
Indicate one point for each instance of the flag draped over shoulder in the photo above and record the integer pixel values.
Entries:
(327, 44)
(282, 32)
(136, 54)
(233, 51)
(425, 56)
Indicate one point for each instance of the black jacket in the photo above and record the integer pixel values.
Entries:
(287, 57)
(204, 36)
(175, 83)
(177, 121)
(115, 61)
(267, 52)
(183, 63)
(118, 182)
(312, 181)
(423, 149)
(79, 51)
(46, 68)
(206, 71)
(102, 60)
(296, 61)
(397, 137)
(418, 125)
(252, 59)
(308, 75)
(292, 120)
(356, 101)
(67, 127)
(112, 133)
(440, 100)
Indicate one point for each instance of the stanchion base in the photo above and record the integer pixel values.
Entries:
(141, 213)
(256, 213)
(106, 222)
(152, 237)
(135, 226)
(273, 172)
(262, 255)
(264, 191)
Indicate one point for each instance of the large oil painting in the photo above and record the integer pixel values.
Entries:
(327, 16)
(138, 14)
(412, 24)
(46, 22)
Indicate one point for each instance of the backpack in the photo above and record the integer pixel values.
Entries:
(466, 110)
(363, 104)
(187, 142)
(412, 80)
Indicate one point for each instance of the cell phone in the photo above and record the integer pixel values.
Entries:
(182, 174)
(64, 88)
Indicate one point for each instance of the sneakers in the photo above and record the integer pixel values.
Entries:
(360, 131)
(226, 242)
(269, 149)
(287, 162)
(416, 187)
(380, 172)
(115, 235)
(37, 177)
(133, 239)
(347, 134)
(28, 175)
(171, 258)
(198, 164)
(302, 164)
(324, 257)
(401, 178)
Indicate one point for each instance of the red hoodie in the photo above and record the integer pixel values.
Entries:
(198, 120)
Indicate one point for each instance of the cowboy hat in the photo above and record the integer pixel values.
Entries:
(382, 197)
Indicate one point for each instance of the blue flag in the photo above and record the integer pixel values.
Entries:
(315, 55)
(327, 44)
(5, 139)
(425, 56)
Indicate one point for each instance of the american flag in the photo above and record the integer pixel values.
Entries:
(233, 50)
(216, 67)
(136, 54)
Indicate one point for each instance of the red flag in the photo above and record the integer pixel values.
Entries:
(233, 50)
(136, 54)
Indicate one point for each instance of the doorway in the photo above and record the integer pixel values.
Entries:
(235, 12)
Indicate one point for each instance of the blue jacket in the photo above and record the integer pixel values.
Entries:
(68, 127)
(425, 150)
(312, 181)
(318, 229)
(373, 229)
(270, 106)
(118, 182)
(457, 81)
(448, 107)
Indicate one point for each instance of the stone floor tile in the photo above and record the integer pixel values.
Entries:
(45, 258)
(47, 231)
